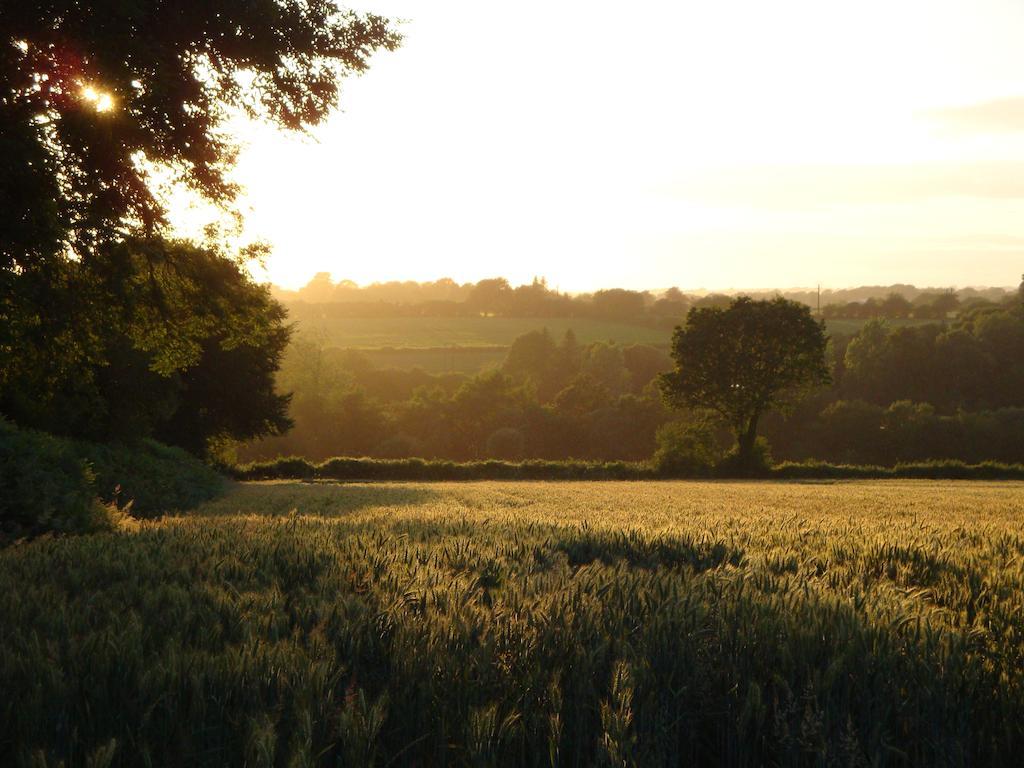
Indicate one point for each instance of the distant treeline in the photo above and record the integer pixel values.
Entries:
(550, 399)
(951, 390)
(896, 306)
(323, 298)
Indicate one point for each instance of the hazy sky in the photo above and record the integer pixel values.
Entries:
(647, 144)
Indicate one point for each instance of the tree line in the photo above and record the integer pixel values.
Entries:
(940, 390)
(112, 330)
(322, 297)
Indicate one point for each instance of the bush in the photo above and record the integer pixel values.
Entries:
(346, 468)
(925, 470)
(284, 468)
(685, 450)
(50, 483)
(156, 478)
(44, 486)
(759, 464)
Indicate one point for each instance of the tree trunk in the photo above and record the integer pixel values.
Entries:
(746, 439)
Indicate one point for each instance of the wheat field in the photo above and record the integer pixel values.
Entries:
(848, 623)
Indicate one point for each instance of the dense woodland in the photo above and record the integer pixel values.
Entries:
(952, 388)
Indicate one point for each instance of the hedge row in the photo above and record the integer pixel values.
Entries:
(296, 468)
(945, 469)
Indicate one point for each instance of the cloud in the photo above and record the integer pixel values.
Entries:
(811, 186)
(998, 116)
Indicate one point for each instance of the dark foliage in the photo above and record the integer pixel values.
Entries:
(107, 329)
(49, 483)
(744, 360)
(77, 169)
(154, 478)
(696, 462)
(171, 339)
(342, 468)
(45, 485)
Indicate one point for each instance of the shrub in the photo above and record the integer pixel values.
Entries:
(685, 450)
(347, 468)
(156, 478)
(44, 486)
(290, 468)
(924, 470)
(759, 462)
(50, 483)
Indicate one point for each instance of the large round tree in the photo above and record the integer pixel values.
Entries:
(744, 359)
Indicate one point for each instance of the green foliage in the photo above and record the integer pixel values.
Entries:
(341, 468)
(686, 449)
(343, 405)
(155, 478)
(45, 485)
(929, 470)
(286, 468)
(509, 624)
(744, 360)
(50, 483)
(149, 338)
(600, 401)
(109, 330)
(78, 174)
(975, 364)
(293, 468)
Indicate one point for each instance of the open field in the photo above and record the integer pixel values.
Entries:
(439, 332)
(436, 332)
(500, 623)
(471, 344)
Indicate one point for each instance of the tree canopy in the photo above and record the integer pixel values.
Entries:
(743, 360)
(175, 341)
(96, 95)
(109, 327)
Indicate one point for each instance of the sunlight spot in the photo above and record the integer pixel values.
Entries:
(102, 102)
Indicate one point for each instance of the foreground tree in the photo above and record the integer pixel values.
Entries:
(106, 324)
(181, 344)
(96, 95)
(744, 360)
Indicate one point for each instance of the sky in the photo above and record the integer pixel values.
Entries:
(708, 145)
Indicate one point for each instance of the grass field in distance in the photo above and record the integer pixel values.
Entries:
(433, 332)
(669, 623)
(472, 344)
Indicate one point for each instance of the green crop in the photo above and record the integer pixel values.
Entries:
(863, 623)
